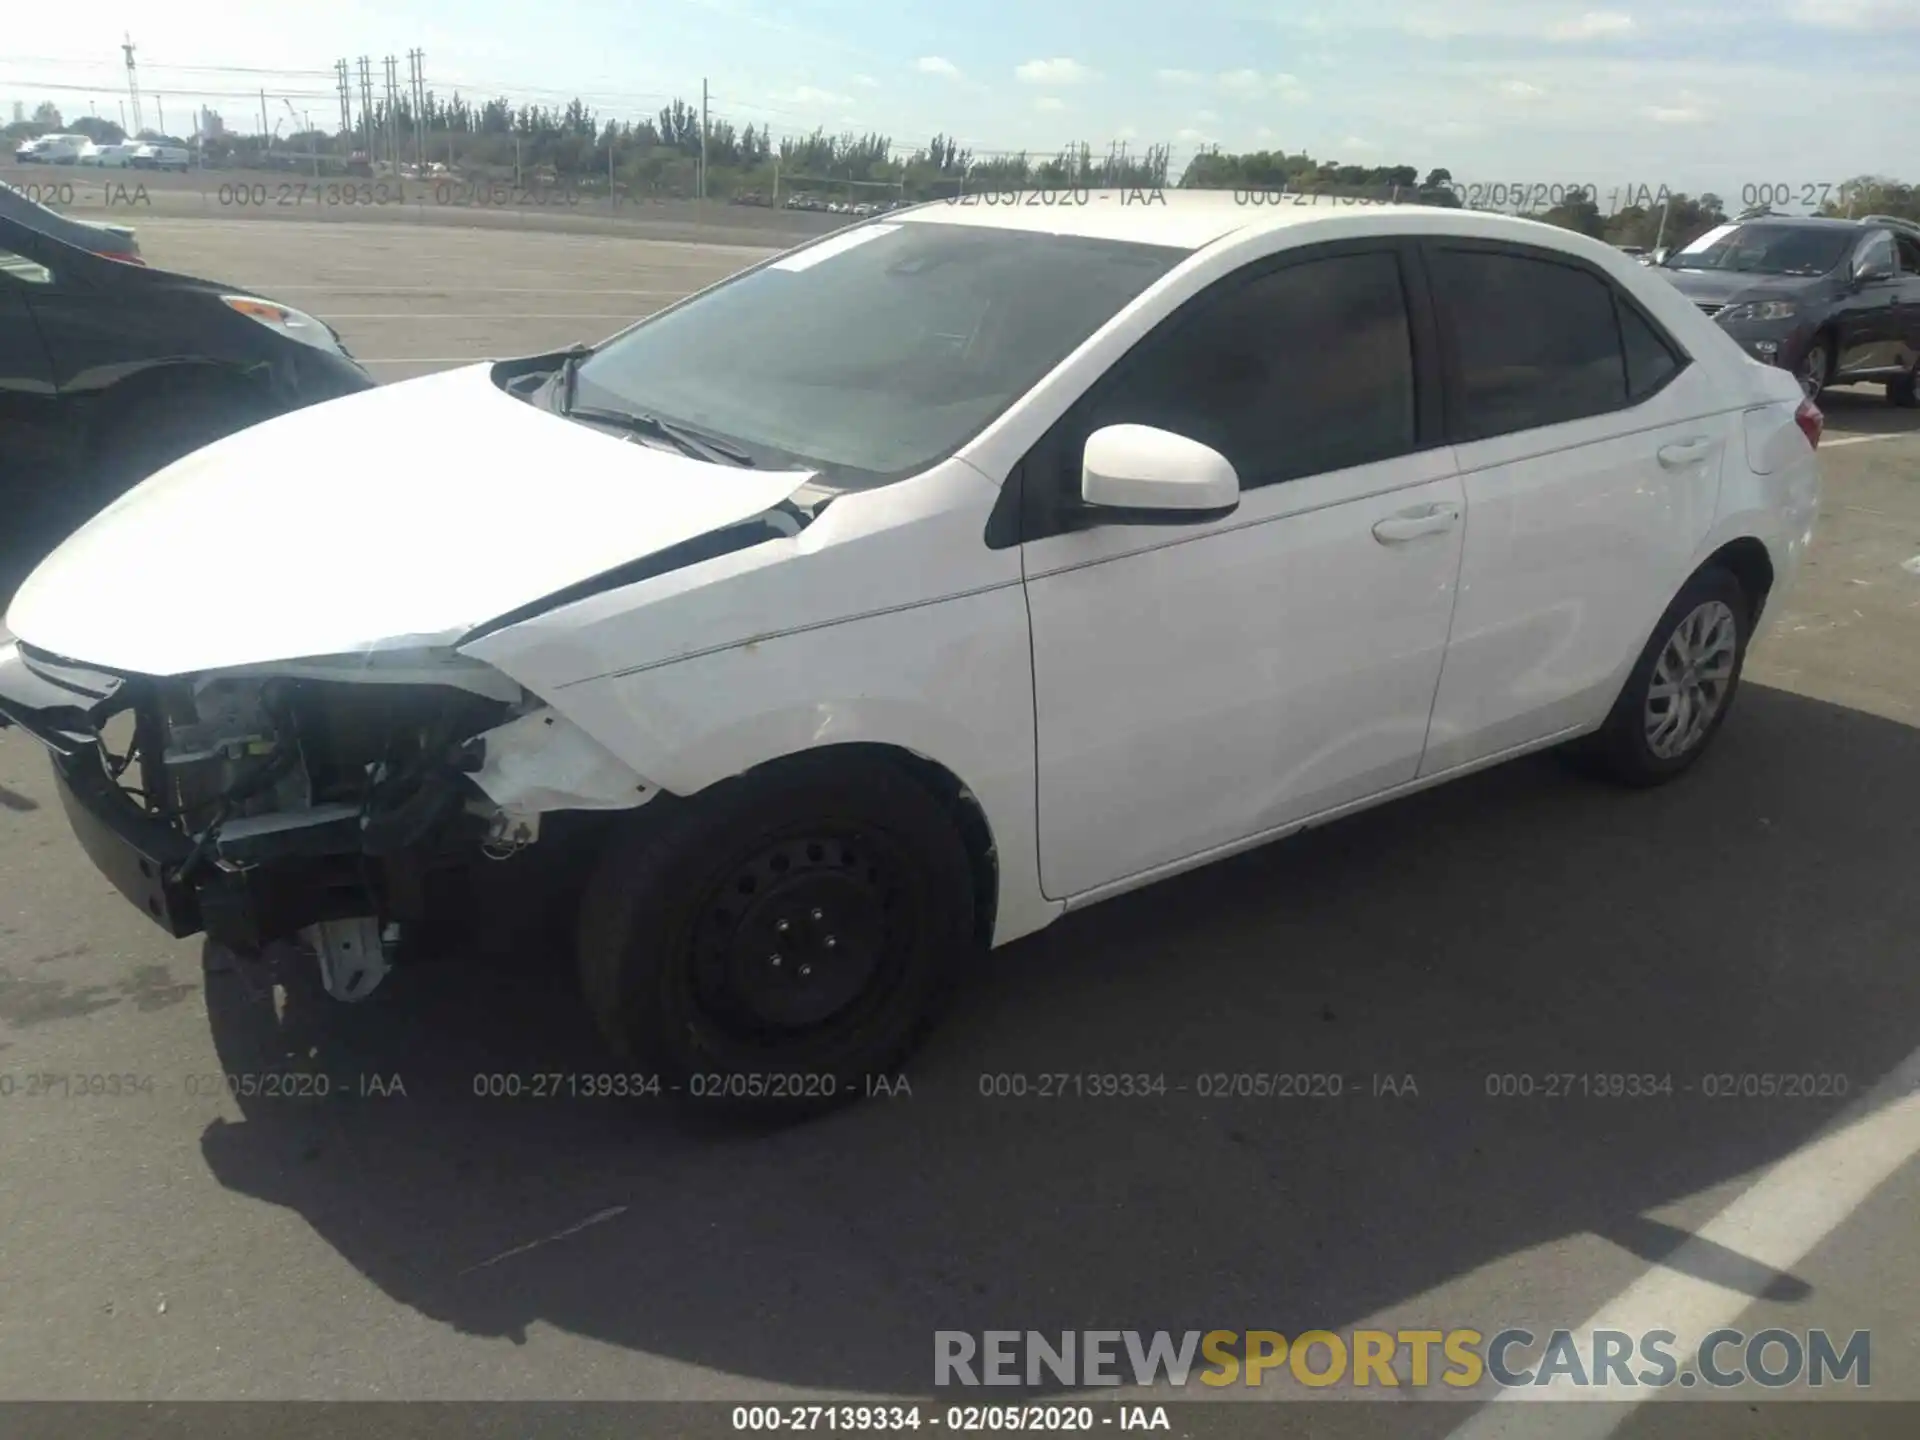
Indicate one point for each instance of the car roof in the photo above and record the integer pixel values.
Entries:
(1192, 219)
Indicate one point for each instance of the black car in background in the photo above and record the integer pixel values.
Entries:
(110, 370)
(1834, 301)
(114, 242)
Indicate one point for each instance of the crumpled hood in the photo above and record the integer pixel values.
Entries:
(402, 516)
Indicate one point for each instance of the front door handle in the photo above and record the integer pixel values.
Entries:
(1412, 524)
(1685, 452)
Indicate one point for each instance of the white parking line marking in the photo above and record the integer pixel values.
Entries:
(1859, 440)
(278, 289)
(1776, 1222)
(419, 315)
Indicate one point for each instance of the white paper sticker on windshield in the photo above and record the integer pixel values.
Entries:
(837, 245)
(1711, 238)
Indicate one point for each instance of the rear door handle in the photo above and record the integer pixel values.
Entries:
(1412, 524)
(1686, 452)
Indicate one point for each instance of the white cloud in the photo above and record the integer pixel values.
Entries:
(1675, 114)
(1053, 104)
(1520, 90)
(866, 82)
(1594, 25)
(1178, 77)
(1053, 72)
(1126, 132)
(1206, 117)
(812, 95)
(1265, 132)
(1354, 142)
(937, 65)
(1251, 84)
(1190, 136)
(1855, 14)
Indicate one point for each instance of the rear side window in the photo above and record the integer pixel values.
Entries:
(1535, 342)
(1303, 370)
(1650, 362)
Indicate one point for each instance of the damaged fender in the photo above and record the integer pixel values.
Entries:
(542, 762)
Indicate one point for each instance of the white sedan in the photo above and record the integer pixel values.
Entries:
(912, 588)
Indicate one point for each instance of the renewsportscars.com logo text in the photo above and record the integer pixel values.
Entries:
(1389, 1359)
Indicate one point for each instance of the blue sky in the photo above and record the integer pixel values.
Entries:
(1695, 94)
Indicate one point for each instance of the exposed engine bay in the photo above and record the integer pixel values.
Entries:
(325, 810)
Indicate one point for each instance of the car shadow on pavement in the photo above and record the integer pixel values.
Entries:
(1865, 410)
(1757, 917)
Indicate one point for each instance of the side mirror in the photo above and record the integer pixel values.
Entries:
(1869, 270)
(1146, 476)
(1660, 255)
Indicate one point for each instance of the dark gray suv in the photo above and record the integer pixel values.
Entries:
(1834, 301)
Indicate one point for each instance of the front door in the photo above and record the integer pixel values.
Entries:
(1196, 685)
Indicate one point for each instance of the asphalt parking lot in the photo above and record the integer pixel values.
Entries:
(421, 1241)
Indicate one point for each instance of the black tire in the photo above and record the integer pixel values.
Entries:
(1819, 357)
(678, 928)
(1905, 392)
(1621, 750)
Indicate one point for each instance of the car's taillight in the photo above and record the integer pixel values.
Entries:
(1810, 421)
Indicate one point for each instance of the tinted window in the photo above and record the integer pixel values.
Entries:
(1909, 247)
(878, 351)
(1650, 363)
(1306, 369)
(1535, 342)
(1767, 248)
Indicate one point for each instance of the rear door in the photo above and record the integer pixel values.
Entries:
(1589, 448)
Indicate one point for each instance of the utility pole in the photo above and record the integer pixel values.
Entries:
(417, 59)
(346, 98)
(366, 103)
(266, 133)
(703, 137)
(160, 109)
(133, 83)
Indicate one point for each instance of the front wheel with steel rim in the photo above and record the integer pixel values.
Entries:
(1814, 368)
(780, 940)
(1679, 692)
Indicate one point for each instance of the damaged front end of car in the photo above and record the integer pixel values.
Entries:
(326, 802)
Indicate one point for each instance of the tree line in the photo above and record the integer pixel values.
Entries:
(496, 139)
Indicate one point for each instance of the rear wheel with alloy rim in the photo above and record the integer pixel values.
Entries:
(1681, 688)
(778, 939)
(1814, 369)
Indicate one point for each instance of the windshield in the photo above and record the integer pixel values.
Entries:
(1767, 250)
(878, 351)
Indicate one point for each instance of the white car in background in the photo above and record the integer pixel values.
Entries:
(110, 157)
(160, 157)
(913, 588)
(51, 150)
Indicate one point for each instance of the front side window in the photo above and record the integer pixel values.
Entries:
(1535, 342)
(1909, 248)
(1306, 369)
(1876, 251)
(876, 352)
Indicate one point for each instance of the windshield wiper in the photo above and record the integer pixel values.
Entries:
(686, 441)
